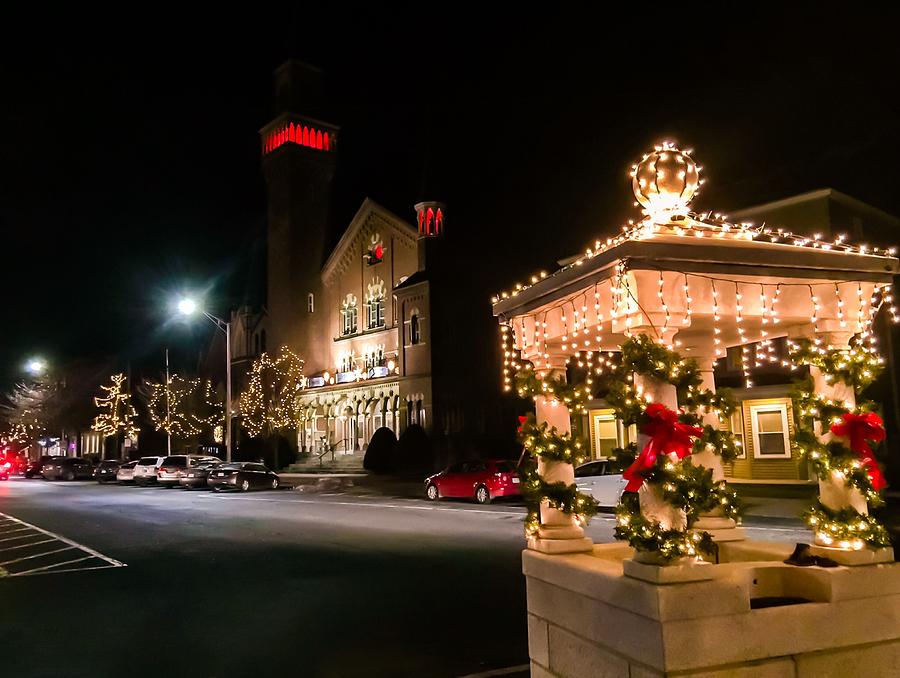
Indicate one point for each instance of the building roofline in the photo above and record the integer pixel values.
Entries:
(809, 196)
(367, 207)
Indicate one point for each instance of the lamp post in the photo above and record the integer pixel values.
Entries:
(189, 307)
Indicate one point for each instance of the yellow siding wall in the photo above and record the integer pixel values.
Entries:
(751, 467)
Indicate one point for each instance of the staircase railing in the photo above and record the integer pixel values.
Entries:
(330, 449)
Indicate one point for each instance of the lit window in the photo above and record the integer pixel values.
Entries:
(606, 434)
(348, 315)
(375, 304)
(770, 431)
(311, 303)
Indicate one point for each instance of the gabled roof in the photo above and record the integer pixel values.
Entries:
(369, 211)
(816, 195)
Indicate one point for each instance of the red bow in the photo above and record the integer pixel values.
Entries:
(522, 421)
(667, 436)
(858, 428)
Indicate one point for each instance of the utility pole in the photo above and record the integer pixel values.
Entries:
(168, 413)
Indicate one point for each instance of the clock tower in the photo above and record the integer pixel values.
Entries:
(299, 153)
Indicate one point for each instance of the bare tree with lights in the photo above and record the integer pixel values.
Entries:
(28, 412)
(117, 414)
(270, 403)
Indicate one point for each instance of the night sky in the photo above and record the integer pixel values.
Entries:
(130, 155)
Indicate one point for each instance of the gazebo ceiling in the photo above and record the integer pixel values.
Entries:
(697, 277)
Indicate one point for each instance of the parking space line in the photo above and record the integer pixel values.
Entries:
(35, 531)
(16, 529)
(21, 536)
(37, 555)
(50, 567)
(363, 503)
(25, 546)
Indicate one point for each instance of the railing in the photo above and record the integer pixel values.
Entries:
(331, 449)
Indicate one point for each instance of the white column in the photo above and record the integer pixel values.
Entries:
(835, 493)
(559, 532)
(653, 506)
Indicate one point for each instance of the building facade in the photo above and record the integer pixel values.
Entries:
(358, 314)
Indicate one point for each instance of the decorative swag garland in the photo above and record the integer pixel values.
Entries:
(684, 485)
(849, 454)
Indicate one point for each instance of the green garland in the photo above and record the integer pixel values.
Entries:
(846, 525)
(542, 441)
(722, 442)
(858, 366)
(643, 534)
(834, 456)
(530, 385)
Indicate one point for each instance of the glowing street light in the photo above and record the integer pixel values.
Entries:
(36, 366)
(187, 307)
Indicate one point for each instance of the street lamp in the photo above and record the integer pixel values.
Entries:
(35, 366)
(188, 307)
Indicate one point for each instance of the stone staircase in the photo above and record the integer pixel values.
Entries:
(343, 463)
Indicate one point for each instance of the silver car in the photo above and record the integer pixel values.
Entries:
(146, 470)
(174, 468)
(125, 474)
(598, 479)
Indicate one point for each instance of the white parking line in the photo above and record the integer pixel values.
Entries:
(35, 531)
(36, 555)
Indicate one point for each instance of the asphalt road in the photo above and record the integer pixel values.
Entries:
(151, 581)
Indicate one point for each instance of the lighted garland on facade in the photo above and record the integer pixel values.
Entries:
(846, 455)
(545, 442)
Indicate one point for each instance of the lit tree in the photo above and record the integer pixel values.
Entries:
(117, 414)
(28, 411)
(183, 407)
(270, 402)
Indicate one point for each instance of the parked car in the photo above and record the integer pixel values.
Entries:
(125, 473)
(35, 467)
(197, 476)
(18, 463)
(601, 480)
(5, 469)
(145, 471)
(68, 468)
(480, 480)
(242, 475)
(173, 468)
(106, 470)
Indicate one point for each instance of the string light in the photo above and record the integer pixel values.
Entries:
(270, 401)
(117, 414)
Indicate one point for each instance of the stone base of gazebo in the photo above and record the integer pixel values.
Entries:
(754, 617)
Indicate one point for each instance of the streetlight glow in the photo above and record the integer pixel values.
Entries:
(187, 306)
(35, 366)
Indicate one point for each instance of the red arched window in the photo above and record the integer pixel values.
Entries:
(420, 217)
(429, 220)
(326, 142)
(306, 136)
(292, 134)
(439, 222)
(319, 139)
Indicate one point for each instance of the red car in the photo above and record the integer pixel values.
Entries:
(481, 480)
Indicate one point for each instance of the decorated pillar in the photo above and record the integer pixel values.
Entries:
(836, 435)
(559, 530)
(709, 451)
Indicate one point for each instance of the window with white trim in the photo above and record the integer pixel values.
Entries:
(769, 425)
(348, 315)
(311, 303)
(606, 434)
(375, 304)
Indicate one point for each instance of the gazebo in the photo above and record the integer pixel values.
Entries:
(695, 285)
